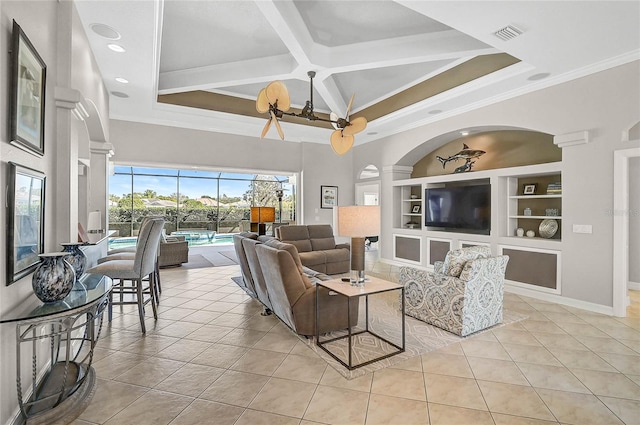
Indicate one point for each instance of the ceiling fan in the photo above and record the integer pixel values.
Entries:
(274, 99)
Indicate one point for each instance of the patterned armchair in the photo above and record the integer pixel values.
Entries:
(464, 293)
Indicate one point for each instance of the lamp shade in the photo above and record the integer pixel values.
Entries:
(263, 214)
(359, 221)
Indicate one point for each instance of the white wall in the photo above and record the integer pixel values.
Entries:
(634, 220)
(49, 24)
(605, 104)
(156, 145)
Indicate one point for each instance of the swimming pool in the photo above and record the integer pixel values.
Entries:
(218, 239)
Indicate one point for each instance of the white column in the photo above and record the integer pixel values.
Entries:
(99, 181)
(390, 173)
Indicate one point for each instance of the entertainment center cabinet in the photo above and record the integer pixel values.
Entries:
(535, 262)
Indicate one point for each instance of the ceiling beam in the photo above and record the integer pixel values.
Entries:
(227, 74)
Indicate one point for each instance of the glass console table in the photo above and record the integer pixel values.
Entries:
(62, 379)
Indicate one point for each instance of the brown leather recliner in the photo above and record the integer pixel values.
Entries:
(257, 276)
(317, 247)
(247, 279)
(293, 296)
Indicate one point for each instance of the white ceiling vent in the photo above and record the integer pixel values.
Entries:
(507, 33)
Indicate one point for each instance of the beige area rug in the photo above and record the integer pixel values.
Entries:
(384, 320)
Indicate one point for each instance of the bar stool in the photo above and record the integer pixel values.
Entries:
(128, 253)
(136, 270)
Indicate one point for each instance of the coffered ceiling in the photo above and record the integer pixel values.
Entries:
(200, 64)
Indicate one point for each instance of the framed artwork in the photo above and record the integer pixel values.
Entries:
(25, 221)
(415, 209)
(529, 189)
(28, 78)
(328, 196)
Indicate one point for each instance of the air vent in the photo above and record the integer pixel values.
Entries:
(507, 33)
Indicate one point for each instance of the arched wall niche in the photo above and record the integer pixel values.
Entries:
(503, 146)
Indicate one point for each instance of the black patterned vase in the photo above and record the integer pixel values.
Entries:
(76, 257)
(54, 277)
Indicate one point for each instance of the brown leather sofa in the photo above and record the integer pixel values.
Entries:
(286, 287)
(317, 247)
(293, 295)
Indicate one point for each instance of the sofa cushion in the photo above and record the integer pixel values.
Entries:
(337, 255)
(313, 258)
(274, 243)
(320, 231)
(456, 259)
(320, 244)
(301, 245)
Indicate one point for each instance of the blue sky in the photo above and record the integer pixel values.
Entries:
(192, 187)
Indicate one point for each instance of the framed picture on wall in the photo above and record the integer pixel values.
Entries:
(415, 209)
(25, 221)
(328, 196)
(28, 78)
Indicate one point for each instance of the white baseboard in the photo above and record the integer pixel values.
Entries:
(584, 305)
(635, 286)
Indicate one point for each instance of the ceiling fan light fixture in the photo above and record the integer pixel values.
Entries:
(262, 103)
(355, 126)
(340, 143)
(275, 100)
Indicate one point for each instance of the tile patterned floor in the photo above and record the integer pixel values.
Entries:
(212, 359)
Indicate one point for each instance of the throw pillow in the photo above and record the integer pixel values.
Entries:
(455, 260)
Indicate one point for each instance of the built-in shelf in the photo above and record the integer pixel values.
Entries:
(535, 196)
(537, 217)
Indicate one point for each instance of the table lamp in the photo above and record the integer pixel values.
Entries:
(358, 222)
(260, 216)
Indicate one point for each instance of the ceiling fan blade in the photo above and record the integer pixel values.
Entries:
(276, 91)
(346, 116)
(266, 128)
(280, 132)
(262, 103)
(341, 143)
(334, 117)
(355, 126)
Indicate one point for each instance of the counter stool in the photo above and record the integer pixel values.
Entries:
(136, 270)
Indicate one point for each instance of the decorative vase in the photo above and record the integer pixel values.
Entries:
(531, 233)
(76, 257)
(54, 277)
(520, 232)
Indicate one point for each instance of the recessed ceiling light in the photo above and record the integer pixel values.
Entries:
(435, 111)
(119, 94)
(105, 31)
(464, 133)
(122, 80)
(539, 76)
(116, 47)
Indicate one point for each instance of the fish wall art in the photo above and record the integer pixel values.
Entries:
(467, 154)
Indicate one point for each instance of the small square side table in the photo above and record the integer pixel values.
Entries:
(372, 286)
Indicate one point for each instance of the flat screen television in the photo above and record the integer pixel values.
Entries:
(465, 209)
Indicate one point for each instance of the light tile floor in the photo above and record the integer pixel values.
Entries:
(211, 358)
